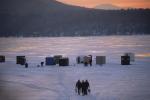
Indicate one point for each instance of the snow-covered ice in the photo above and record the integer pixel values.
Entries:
(107, 82)
(111, 81)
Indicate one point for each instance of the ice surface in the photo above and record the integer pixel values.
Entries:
(108, 46)
(108, 82)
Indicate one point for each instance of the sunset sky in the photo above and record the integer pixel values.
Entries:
(120, 3)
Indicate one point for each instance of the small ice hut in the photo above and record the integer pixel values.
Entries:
(20, 60)
(100, 60)
(2, 58)
(56, 58)
(125, 60)
(50, 61)
(64, 62)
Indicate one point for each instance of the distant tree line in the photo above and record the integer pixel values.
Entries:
(74, 22)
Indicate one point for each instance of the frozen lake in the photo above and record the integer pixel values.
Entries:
(39, 48)
(112, 81)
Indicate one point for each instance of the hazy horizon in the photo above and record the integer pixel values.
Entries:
(120, 3)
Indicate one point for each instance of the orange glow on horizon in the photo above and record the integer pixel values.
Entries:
(120, 3)
(143, 55)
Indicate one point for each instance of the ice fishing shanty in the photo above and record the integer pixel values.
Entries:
(50, 61)
(20, 60)
(100, 60)
(125, 60)
(64, 61)
(2, 58)
(57, 58)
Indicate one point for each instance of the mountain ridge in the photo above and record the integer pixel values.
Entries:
(108, 7)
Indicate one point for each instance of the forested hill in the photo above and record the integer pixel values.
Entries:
(52, 18)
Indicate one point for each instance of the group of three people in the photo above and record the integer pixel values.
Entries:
(82, 88)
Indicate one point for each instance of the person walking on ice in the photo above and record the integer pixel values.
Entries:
(78, 87)
(87, 87)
